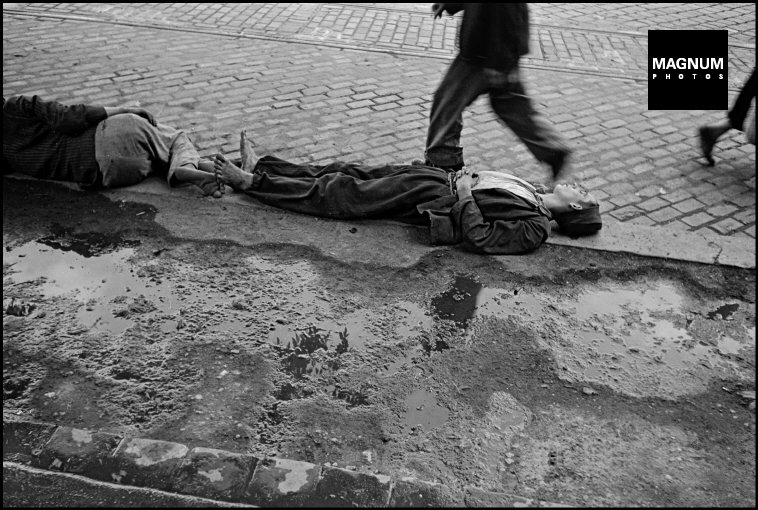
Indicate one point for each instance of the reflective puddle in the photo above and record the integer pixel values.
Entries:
(638, 338)
(104, 282)
(608, 332)
(650, 321)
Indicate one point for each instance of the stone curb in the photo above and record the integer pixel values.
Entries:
(25, 486)
(217, 475)
(616, 236)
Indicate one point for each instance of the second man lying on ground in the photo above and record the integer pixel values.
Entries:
(488, 211)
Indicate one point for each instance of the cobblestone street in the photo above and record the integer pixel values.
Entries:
(316, 82)
(166, 348)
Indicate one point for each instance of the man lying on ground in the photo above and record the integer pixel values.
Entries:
(489, 211)
(97, 146)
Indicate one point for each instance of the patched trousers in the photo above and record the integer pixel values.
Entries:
(347, 190)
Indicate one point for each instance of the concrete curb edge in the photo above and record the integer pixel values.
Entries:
(218, 476)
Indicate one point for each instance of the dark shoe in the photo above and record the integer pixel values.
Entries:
(559, 165)
(707, 141)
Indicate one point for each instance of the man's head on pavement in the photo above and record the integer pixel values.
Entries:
(575, 210)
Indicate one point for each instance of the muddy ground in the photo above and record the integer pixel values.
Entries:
(581, 377)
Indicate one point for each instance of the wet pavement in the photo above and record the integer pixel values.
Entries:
(500, 374)
(601, 372)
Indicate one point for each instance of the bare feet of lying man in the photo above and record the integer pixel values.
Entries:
(212, 186)
(249, 157)
(231, 174)
(206, 179)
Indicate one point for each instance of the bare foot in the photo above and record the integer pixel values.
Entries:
(249, 157)
(211, 185)
(208, 182)
(231, 174)
(206, 165)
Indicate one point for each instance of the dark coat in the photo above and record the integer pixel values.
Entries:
(50, 140)
(493, 221)
(493, 35)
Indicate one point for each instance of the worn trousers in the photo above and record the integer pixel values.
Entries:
(128, 148)
(741, 105)
(344, 190)
(463, 83)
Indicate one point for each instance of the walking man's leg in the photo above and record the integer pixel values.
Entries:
(708, 135)
(461, 85)
(741, 105)
(515, 109)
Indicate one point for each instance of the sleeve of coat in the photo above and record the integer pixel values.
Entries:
(500, 237)
(65, 119)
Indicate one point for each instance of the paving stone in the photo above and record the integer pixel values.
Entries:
(697, 219)
(282, 483)
(652, 204)
(214, 474)
(627, 213)
(23, 440)
(25, 486)
(687, 206)
(727, 226)
(665, 214)
(476, 497)
(80, 451)
(343, 488)
(148, 463)
(410, 493)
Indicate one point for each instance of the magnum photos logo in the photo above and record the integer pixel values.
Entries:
(687, 70)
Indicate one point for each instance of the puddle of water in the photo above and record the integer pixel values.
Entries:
(86, 244)
(724, 311)
(359, 327)
(458, 303)
(628, 314)
(353, 327)
(422, 409)
(728, 345)
(303, 365)
(103, 281)
(96, 271)
(300, 361)
(65, 272)
(412, 320)
(468, 299)
(636, 330)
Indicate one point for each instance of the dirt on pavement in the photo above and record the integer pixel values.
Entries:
(581, 377)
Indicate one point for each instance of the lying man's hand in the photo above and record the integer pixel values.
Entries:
(144, 114)
(437, 10)
(464, 181)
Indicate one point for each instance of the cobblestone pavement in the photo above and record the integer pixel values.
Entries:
(316, 82)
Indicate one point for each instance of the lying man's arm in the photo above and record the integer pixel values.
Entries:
(110, 111)
(500, 237)
(66, 119)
